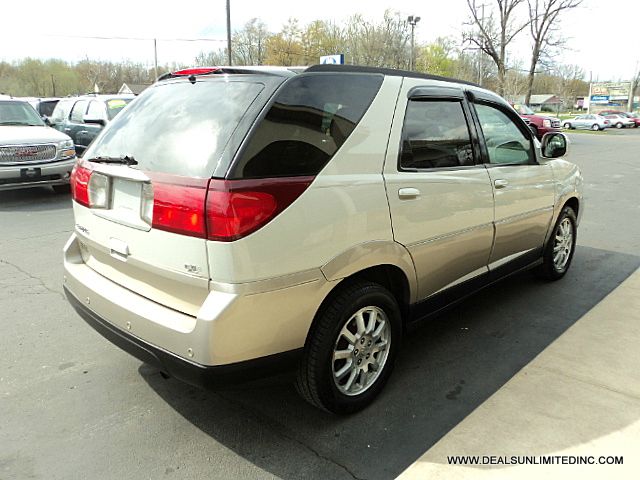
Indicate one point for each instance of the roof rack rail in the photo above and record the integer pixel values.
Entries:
(384, 71)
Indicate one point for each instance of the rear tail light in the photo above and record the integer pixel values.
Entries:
(236, 208)
(223, 210)
(80, 176)
(178, 204)
(89, 188)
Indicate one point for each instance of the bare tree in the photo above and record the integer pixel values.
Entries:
(544, 16)
(496, 32)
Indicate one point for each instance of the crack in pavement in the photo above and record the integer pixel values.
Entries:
(33, 237)
(33, 277)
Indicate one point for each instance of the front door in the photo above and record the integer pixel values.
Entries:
(523, 189)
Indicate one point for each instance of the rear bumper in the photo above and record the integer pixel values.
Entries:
(204, 376)
(235, 330)
(55, 173)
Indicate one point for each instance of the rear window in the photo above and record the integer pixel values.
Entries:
(309, 120)
(178, 128)
(115, 105)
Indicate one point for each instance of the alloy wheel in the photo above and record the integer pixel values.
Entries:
(361, 350)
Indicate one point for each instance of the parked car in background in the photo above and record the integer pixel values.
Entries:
(633, 116)
(82, 118)
(539, 124)
(620, 121)
(31, 153)
(588, 121)
(44, 106)
(234, 220)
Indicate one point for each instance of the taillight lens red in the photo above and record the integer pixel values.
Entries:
(80, 176)
(236, 208)
(178, 204)
(223, 210)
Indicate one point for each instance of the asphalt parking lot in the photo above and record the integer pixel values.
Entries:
(74, 406)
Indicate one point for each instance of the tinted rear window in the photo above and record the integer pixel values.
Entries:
(115, 105)
(178, 128)
(309, 120)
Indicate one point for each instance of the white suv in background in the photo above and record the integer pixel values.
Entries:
(235, 220)
(32, 154)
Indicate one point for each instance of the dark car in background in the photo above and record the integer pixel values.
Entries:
(539, 124)
(82, 118)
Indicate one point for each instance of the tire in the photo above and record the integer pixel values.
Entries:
(619, 125)
(534, 130)
(556, 268)
(326, 381)
(567, 126)
(595, 127)
(61, 189)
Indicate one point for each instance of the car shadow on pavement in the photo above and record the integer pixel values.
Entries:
(34, 199)
(447, 368)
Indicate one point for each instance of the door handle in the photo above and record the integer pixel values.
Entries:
(501, 183)
(408, 193)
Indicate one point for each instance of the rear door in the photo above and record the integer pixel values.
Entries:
(439, 192)
(75, 124)
(89, 131)
(523, 189)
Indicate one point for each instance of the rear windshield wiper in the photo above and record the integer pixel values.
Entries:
(126, 160)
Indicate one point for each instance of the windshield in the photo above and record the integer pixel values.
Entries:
(115, 105)
(523, 110)
(178, 128)
(19, 113)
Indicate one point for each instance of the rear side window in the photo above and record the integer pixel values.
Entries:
(61, 111)
(435, 135)
(309, 120)
(178, 128)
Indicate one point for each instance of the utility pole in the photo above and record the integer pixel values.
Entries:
(412, 21)
(632, 88)
(229, 31)
(590, 85)
(155, 57)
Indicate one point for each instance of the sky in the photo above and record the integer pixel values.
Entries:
(47, 29)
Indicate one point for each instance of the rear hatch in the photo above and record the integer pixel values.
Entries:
(140, 192)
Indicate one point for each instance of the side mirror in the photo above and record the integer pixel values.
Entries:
(95, 120)
(554, 145)
(46, 120)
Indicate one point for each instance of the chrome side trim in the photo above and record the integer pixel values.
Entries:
(522, 216)
(463, 279)
(452, 234)
(268, 284)
(508, 258)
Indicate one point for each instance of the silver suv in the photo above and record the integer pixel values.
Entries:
(231, 221)
(32, 154)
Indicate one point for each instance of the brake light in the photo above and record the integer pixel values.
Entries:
(80, 176)
(196, 71)
(237, 208)
(179, 204)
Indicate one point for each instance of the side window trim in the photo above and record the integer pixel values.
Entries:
(522, 127)
(446, 94)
